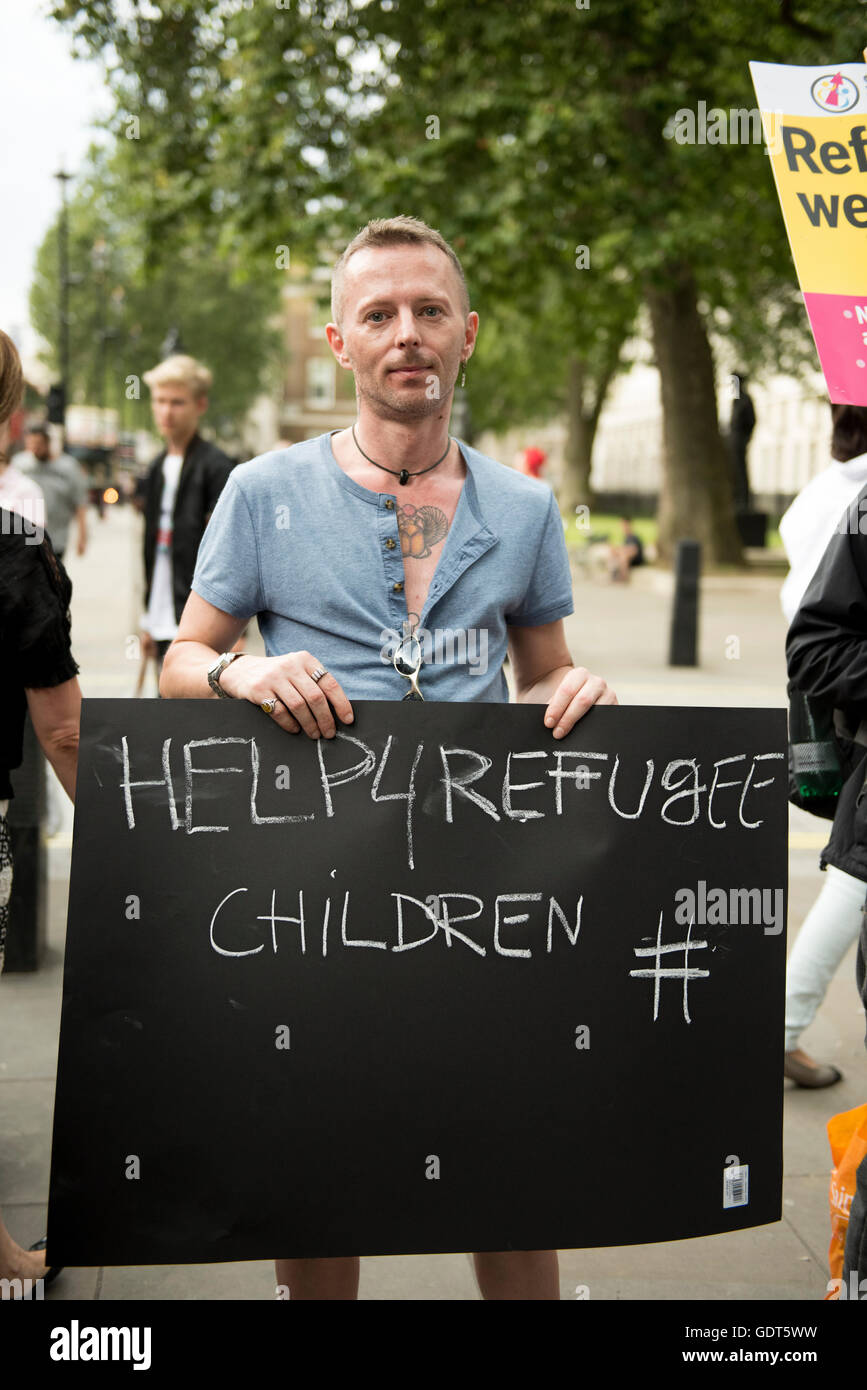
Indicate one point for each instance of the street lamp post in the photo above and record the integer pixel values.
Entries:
(172, 342)
(63, 325)
(99, 258)
(118, 297)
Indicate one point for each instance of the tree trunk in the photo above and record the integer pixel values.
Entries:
(581, 424)
(695, 499)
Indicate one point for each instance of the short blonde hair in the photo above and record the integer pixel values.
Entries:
(181, 371)
(394, 231)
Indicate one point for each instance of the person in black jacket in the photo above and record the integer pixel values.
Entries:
(181, 491)
(826, 653)
(38, 675)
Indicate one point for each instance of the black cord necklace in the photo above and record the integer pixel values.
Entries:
(403, 475)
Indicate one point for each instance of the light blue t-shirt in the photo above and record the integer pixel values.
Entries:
(297, 542)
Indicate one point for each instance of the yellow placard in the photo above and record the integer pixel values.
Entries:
(820, 167)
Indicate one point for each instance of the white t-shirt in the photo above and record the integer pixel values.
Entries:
(808, 525)
(160, 620)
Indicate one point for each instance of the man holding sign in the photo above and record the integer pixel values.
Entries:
(345, 545)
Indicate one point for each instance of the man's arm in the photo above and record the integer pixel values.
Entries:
(205, 632)
(81, 517)
(545, 674)
(80, 497)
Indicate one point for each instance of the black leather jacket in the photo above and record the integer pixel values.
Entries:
(203, 476)
(826, 652)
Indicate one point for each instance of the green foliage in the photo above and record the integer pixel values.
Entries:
(123, 306)
(553, 127)
(262, 126)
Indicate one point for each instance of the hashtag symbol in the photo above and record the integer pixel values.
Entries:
(685, 973)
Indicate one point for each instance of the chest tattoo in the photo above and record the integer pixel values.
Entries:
(420, 528)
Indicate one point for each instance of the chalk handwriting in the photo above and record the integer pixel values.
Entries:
(458, 784)
(417, 922)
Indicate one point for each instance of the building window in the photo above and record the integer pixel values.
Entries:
(320, 381)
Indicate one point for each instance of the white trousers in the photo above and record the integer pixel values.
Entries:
(830, 927)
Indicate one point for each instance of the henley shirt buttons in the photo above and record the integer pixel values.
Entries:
(389, 544)
(398, 588)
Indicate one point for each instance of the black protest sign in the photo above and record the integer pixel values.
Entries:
(443, 983)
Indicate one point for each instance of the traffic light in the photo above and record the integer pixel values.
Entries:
(56, 404)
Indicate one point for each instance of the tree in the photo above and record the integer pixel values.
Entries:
(522, 133)
(122, 308)
(575, 107)
(288, 105)
(532, 362)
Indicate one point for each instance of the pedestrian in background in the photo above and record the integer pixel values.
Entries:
(64, 487)
(626, 556)
(826, 652)
(534, 461)
(810, 522)
(37, 674)
(180, 492)
(834, 920)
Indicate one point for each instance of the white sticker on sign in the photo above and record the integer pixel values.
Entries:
(736, 1185)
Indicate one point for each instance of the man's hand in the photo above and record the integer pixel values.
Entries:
(302, 703)
(577, 692)
(544, 675)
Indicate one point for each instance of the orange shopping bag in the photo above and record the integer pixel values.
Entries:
(847, 1134)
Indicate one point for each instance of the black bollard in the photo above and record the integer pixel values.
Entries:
(28, 906)
(683, 647)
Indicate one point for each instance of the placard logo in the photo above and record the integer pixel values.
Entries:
(834, 92)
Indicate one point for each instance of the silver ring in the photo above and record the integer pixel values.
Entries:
(318, 674)
(269, 706)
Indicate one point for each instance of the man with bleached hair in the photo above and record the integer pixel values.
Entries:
(394, 525)
(181, 491)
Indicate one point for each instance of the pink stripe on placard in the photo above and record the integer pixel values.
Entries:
(839, 324)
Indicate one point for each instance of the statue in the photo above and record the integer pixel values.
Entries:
(741, 426)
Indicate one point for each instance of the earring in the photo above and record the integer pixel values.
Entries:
(463, 373)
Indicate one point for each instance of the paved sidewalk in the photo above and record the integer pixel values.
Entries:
(621, 632)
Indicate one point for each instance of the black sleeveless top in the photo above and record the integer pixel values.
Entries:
(34, 632)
